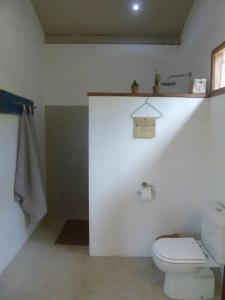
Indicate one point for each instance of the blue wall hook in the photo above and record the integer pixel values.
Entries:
(13, 104)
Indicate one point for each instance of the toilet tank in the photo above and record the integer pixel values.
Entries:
(213, 231)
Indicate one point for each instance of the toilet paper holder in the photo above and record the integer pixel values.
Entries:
(147, 185)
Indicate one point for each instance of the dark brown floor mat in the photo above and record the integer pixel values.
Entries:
(74, 232)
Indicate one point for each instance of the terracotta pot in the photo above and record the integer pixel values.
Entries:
(134, 89)
(156, 89)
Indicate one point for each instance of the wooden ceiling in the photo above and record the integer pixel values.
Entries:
(112, 21)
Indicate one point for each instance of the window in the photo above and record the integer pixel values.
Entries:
(218, 70)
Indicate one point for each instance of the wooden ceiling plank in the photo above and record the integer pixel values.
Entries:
(111, 39)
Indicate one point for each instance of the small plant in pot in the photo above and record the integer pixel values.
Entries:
(156, 87)
(135, 87)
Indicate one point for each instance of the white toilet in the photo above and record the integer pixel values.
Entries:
(187, 262)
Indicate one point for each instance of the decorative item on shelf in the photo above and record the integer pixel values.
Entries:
(198, 86)
(134, 87)
(156, 87)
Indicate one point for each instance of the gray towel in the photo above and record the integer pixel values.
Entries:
(28, 188)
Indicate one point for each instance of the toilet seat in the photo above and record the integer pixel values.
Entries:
(179, 250)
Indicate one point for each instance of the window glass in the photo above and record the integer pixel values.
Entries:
(218, 68)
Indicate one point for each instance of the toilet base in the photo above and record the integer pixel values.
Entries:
(200, 285)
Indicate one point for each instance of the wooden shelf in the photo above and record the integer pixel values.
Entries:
(147, 95)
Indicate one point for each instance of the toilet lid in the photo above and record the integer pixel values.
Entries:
(179, 250)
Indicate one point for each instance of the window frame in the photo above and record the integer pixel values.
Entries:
(219, 91)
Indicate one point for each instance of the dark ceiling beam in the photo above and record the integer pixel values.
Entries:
(111, 39)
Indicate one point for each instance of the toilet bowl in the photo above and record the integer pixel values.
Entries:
(178, 255)
(186, 263)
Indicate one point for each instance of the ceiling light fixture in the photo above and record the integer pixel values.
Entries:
(135, 6)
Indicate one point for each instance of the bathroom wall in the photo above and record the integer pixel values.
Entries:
(70, 71)
(67, 161)
(21, 41)
(203, 32)
(217, 146)
(175, 161)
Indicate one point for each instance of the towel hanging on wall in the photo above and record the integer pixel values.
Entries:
(144, 128)
(28, 189)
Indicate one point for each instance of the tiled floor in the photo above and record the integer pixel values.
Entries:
(45, 271)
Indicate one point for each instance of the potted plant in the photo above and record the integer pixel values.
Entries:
(135, 87)
(156, 87)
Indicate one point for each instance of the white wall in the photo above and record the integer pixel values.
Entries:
(203, 32)
(70, 71)
(176, 162)
(21, 42)
(73, 70)
(217, 146)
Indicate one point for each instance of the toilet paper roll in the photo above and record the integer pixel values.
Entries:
(146, 194)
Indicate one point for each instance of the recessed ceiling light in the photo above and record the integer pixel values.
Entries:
(135, 6)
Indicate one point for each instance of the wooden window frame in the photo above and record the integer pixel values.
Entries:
(219, 91)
